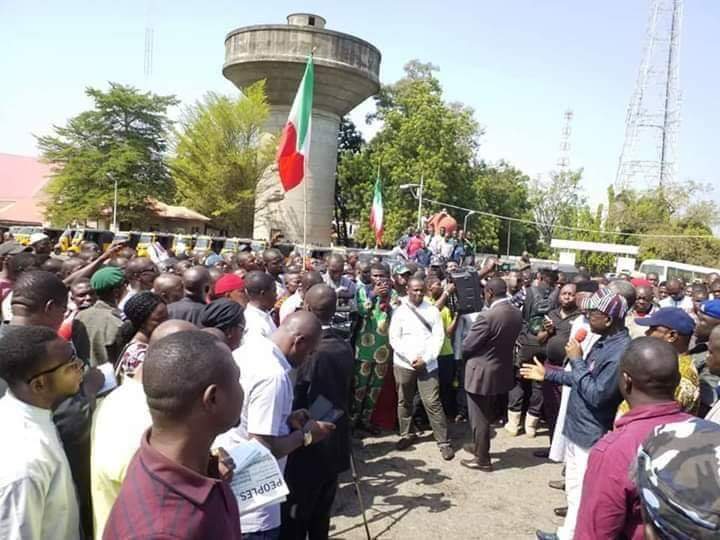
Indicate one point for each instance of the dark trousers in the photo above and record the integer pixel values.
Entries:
(409, 383)
(527, 395)
(272, 534)
(306, 513)
(460, 394)
(446, 378)
(481, 410)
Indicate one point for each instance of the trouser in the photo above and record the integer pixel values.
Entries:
(481, 410)
(576, 460)
(461, 400)
(306, 513)
(552, 394)
(527, 395)
(271, 534)
(446, 379)
(368, 382)
(410, 382)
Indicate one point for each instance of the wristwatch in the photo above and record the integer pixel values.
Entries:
(307, 438)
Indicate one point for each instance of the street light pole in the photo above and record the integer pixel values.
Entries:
(420, 201)
(470, 213)
(508, 238)
(115, 201)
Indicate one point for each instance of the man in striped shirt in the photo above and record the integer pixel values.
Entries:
(173, 488)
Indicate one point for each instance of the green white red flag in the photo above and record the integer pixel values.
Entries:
(376, 211)
(294, 150)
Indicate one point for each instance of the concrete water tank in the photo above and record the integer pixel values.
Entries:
(346, 73)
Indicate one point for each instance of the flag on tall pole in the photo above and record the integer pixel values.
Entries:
(294, 150)
(376, 211)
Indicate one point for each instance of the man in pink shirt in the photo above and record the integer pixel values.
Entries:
(414, 243)
(610, 504)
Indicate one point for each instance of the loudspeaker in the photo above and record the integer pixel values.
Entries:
(469, 297)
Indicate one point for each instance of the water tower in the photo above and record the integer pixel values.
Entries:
(346, 73)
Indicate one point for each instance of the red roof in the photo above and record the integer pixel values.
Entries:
(22, 179)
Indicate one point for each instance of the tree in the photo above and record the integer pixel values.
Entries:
(421, 135)
(124, 139)
(221, 152)
(350, 142)
(555, 200)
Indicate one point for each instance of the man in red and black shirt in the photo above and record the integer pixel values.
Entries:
(173, 486)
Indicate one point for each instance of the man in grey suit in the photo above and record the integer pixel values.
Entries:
(488, 350)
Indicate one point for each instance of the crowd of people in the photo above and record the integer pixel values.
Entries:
(126, 380)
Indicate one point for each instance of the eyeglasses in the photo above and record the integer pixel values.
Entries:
(72, 360)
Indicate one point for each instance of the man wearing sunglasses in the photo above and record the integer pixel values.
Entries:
(37, 494)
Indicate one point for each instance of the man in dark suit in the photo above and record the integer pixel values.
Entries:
(312, 472)
(488, 350)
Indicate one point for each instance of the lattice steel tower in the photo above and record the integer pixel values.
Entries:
(563, 162)
(649, 153)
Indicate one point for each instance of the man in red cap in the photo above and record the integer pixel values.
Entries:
(231, 286)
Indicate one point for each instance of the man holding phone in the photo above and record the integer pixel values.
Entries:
(323, 387)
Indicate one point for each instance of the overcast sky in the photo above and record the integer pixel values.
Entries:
(519, 63)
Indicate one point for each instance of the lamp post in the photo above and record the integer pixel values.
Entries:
(420, 187)
(115, 201)
(470, 213)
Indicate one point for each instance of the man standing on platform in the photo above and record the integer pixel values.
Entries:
(489, 372)
(416, 336)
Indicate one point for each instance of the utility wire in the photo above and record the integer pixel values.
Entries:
(564, 227)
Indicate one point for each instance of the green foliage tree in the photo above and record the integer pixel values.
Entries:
(679, 209)
(221, 152)
(424, 136)
(350, 142)
(124, 139)
(555, 201)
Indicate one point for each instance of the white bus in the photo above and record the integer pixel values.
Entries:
(669, 269)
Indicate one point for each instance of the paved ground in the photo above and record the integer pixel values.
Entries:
(415, 495)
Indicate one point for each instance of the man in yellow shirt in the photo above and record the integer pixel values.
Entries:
(676, 327)
(446, 359)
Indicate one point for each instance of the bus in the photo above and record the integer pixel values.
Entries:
(669, 270)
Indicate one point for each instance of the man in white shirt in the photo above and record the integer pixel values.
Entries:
(262, 295)
(343, 286)
(267, 415)
(295, 301)
(37, 494)
(117, 429)
(416, 336)
(676, 297)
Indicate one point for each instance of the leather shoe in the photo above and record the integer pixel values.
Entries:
(476, 465)
(540, 535)
(447, 452)
(405, 442)
(557, 484)
(561, 511)
(541, 453)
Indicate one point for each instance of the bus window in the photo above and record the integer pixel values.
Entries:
(654, 268)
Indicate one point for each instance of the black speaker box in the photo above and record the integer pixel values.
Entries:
(469, 297)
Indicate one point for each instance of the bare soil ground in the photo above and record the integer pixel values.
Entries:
(416, 495)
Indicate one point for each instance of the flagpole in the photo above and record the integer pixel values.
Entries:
(376, 177)
(305, 183)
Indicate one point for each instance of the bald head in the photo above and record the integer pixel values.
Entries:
(321, 301)
(310, 279)
(196, 281)
(649, 371)
(298, 336)
(169, 287)
(625, 289)
(170, 327)
(497, 286)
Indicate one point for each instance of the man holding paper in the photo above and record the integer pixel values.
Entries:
(265, 365)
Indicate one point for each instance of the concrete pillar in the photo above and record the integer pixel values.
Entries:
(346, 73)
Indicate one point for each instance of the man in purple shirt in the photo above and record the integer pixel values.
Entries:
(173, 488)
(610, 504)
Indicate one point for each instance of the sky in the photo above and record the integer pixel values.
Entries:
(518, 63)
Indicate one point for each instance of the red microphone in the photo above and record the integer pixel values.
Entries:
(580, 335)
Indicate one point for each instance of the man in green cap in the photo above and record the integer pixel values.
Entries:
(102, 320)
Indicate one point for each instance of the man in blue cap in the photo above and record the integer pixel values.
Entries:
(708, 319)
(676, 327)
